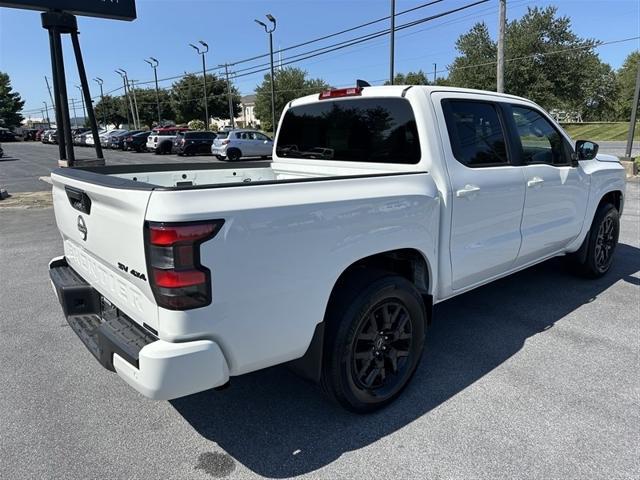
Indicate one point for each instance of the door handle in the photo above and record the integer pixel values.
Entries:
(535, 181)
(467, 191)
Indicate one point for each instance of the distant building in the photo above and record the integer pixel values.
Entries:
(247, 117)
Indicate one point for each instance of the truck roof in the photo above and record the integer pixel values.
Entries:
(397, 90)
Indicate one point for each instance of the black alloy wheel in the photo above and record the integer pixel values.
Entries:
(381, 347)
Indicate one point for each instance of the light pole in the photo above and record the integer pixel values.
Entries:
(126, 97)
(202, 52)
(123, 73)
(273, 90)
(99, 81)
(154, 64)
(84, 109)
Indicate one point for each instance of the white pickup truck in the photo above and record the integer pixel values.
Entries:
(379, 203)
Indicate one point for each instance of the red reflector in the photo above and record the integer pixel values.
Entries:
(168, 235)
(340, 92)
(173, 279)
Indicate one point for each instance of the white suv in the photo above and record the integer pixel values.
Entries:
(237, 144)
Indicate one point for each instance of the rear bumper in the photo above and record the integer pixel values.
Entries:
(158, 369)
(219, 150)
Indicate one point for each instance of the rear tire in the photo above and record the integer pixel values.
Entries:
(600, 243)
(375, 338)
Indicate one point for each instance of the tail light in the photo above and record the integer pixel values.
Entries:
(225, 141)
(178, 280)
(340, 92)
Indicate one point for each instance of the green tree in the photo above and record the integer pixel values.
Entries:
(545, 61)
(626, 83)
(187, 99)
(290, 83)
(410, 78)
(10, 104)
(113, 109)
(148, 107)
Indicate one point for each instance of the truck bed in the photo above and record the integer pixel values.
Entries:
(205, 175)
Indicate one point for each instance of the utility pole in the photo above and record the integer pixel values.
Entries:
(204, 80)
(53, 104)
(270, 31)
(99, 81)
(126, 97)
(84, 110)
(154, 64)
(502, 19)
(75, 115)
(392, 41)
(435, 73)
(634, 115)
(229, 97)
(47, 110)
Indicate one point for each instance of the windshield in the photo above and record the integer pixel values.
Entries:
(381, 130)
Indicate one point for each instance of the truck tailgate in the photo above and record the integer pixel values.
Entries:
(102, 230)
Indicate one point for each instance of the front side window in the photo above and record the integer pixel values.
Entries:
(541, 142)
(380, 130)
(476, 134)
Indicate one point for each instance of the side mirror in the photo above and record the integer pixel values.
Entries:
(586, 150)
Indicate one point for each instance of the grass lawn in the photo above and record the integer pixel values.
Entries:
(600, 131)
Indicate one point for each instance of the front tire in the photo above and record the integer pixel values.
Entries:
(234, 154)
(601, 242)
(375, 338)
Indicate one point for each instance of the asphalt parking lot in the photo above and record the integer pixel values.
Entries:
(24, 163)
(534, 376)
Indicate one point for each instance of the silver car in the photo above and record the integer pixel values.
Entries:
(241, 143)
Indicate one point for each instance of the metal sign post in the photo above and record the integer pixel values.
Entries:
(59, 18)
(58, 23)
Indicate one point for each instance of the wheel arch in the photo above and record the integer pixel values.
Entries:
(409, 263)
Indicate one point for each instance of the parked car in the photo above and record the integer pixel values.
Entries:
(102, 134)
(136, 142)
(80, 135)
(161, 139)
(192, 143)
(105, 140)
(116, 141)
(242, 143)
(44, 138)
(343, 258)
(1, 151)
(7, 135)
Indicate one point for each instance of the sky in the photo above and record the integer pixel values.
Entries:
(164, 29)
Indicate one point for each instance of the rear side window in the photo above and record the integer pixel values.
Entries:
(476, 134)
(381, 130)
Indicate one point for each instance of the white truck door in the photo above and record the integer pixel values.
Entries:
(556, 191)
(487, 189)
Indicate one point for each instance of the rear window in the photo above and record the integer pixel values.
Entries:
(202, 135)
(222, 135)
(475, 131)
(380, 130)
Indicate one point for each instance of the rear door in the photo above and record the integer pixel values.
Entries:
(556, 191)
(102, 230)
(488, 188)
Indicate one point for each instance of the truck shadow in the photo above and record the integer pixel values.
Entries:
(279, 426)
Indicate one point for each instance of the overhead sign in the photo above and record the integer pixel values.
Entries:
(116, 9)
